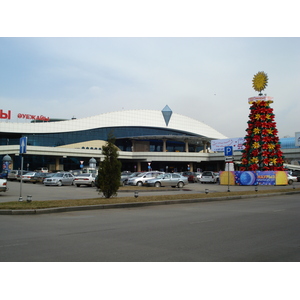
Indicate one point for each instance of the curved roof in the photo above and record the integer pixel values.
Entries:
(135, 118)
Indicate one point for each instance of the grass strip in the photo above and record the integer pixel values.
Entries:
(118, 200)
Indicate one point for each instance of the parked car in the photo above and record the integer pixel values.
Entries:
(125, 177)
(192, 177)
(4, 174)
(209, 176)
(26, 177)
(217, 174)
(142, 177)
(40, 177)
(42, 170)
(198, 175)
(296, 173)
(3, 185)
(291, 179)
(76, 172)
(59, 179)
(12, 175)
(85, 179)
(19, 174)
(168, 179)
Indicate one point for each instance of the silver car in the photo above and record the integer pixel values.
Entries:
(168, 179)
(59, 179)
(141, 178)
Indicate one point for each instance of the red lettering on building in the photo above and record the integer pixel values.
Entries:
(33, 117)
(4, 115)
(7, 115)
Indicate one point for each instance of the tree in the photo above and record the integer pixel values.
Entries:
(109, 172)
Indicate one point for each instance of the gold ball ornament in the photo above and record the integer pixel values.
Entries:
(260, 81)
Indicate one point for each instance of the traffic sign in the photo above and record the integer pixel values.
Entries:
(23, 144)
(228, 150)
(228, 158)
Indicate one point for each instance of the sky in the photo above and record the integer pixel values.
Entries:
(207, 78)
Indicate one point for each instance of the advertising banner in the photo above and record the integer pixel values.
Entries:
(236, 143)
(256, 178)
(297, 139)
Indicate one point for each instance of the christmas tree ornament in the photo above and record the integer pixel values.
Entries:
(262, 150)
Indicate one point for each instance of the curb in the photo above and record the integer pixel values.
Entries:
(135, 204)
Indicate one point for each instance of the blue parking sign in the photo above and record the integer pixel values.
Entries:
(228, 151)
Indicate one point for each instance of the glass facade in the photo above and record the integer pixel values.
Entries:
(122, 135)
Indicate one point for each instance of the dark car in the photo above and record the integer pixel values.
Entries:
(192, 176)
(4, 174)
(39, 177)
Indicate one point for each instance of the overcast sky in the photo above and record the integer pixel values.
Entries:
(206, 78)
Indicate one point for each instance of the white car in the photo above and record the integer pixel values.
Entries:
(3, 185)
(291, 179)
(26, 177)
(209, 176)
(85, 179)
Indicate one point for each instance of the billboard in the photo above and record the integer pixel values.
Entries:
(236, 143)
(297, 139)
(254, 178)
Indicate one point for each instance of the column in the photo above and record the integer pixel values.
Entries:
(186, 146)
(164, 145)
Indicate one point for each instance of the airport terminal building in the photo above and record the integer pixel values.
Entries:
(160, 140)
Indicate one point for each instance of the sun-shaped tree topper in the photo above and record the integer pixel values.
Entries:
(260, 81)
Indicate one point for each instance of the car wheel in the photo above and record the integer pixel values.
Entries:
(157, 184)
(92, 184)
(59, 183)
(180, 184)
(78, 185)
(139, 183)
(290, 182)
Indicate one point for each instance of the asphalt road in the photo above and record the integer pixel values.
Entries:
(254, 230)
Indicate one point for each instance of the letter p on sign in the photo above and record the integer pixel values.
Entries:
(228, 151)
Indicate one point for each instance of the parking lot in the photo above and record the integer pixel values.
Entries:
(39, 192)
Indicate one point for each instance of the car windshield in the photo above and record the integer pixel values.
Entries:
(206, 174)
(160, 176)
(140, 175)
(50, 175)
(58, 175)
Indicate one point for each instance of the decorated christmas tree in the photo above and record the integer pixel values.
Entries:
(262, 150)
